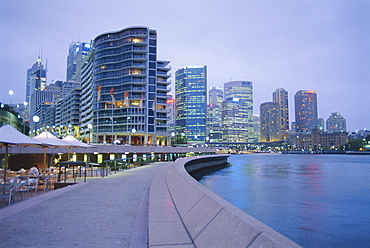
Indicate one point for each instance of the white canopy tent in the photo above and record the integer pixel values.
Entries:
(9, 136)
(48, 139)
(73, 141)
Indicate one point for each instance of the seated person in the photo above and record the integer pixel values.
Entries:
(34, 170)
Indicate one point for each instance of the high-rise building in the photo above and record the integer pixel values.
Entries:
(67, 87)
(214, 131)
(216, 96)
(124, 88)
(78, 53)
(270, 122)
(257, 128)
(336, 123)
(281, 96)
(237, 112)
(36, 79)
(305, 110)
(171, 110)
(320, 124)
(67, 113)
(39, 97)
(191, 103)
(56, 88)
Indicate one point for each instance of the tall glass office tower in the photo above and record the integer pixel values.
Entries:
(191, 103)
(36, 79)
(270, 122)
(305, 110)
(216, 97)
(237, 112)
(281, 96)
(78, 53)
(124, 88)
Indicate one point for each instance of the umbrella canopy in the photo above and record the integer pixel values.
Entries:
(47, 139)
(75, 142)
(10, 136)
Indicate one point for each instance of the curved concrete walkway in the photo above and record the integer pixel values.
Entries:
(104, 212)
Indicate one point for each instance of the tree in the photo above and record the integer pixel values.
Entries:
(354, 144)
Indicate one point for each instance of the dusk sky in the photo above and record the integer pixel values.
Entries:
(293, 44)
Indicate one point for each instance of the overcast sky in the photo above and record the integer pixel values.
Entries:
(293, 44)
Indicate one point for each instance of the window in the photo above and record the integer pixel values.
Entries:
(151, 80)
(151, 128)
(151, 88)
(151, 65)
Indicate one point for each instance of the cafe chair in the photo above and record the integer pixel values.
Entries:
(23, 189)
(50, 181)
(33, 184)
(6, 191)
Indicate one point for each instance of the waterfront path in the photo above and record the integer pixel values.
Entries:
(104, 212)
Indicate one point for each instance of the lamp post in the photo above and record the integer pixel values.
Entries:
(10, 103)
(10, 94)
(173, 136)
(35, 119)
(127, 137)
(89, 126)
(24, 121)
(133, 131)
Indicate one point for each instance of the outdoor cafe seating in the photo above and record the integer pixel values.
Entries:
(20, 186)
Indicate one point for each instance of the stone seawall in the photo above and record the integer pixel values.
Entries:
(207, 219)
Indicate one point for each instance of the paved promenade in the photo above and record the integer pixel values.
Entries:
(104, 212)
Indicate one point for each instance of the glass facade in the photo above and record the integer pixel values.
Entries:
(336, 123)
(305, 110)
(129, 87)
(270, 122)
(281, 96)
(191, 103)
(78, 53)
(237, 112)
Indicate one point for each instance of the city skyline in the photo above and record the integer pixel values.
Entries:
(296, 46)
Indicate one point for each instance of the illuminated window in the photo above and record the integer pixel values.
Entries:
(137, 40)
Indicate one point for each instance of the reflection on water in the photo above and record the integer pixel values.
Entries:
(315, 200)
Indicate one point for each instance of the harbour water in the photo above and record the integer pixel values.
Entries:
(315, 200)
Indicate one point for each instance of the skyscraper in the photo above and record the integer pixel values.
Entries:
(191, 102)
(281, 96)
(214, 131)
(36, 78)
(320, 124)
(124, 88)
(336, 123)
(270, 122)
(305, 110)
(237, 112)
(78, 53)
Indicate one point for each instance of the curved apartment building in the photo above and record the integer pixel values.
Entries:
(124, 89)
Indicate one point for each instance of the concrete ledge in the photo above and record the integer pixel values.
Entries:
(202, 217)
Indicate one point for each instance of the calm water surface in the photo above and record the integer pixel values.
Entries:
(315, 200)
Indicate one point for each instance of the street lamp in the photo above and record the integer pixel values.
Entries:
(10, 107)
(173, 136)
(89, 126)
(127, 137)
(35, 119)
(10, 94)
(133, 131)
